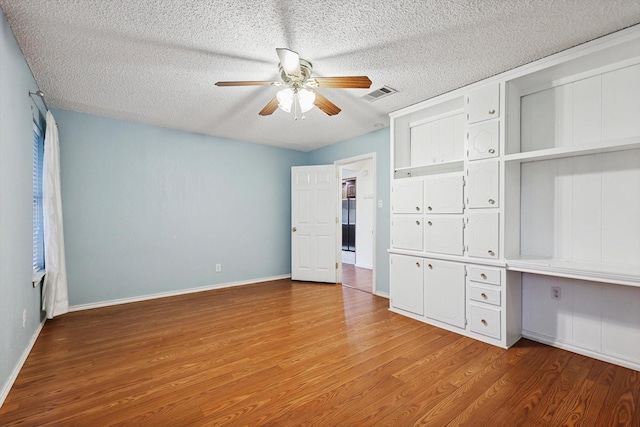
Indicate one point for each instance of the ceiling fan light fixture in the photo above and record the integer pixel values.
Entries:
(286, 98)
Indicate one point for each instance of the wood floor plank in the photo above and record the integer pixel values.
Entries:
(293, 353)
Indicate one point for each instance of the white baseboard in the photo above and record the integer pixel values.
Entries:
(589, 353)
(382, 294)
(119, 301)
(16, 370)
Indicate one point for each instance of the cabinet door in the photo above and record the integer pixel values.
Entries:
(483, 140)
(444, 235)
(445, 292)
(482, 235)
(407, 283)
(444, 195)
(406, 232)
(407, 196)
(483, 103)
(483, 185)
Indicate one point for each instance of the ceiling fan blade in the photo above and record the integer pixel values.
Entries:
(325, 105)
(357, 82)
(290, 61)
(270, 107)
(248, 83)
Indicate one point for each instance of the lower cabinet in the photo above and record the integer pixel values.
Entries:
(407, 279)
(478, 301)
(444, 292)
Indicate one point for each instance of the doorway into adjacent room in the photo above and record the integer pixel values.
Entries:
(357, 193)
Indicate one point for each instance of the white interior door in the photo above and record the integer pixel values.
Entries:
(313, 223)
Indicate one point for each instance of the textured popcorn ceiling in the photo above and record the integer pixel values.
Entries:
(156, 61)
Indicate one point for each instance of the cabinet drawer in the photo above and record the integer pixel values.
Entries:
(407, 232)
(485, 321)
(483, 140)
(484, 275)
(490, 296)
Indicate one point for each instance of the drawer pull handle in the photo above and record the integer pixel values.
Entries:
(483, 295)
(429, 208)
(484, 322)
(429, 222)
(430, 266)
(492, 111)
(417, 222)
(418, 208)
(490, 252)
(484, 276)
(491, 201)
(417, 264)
(491, 151)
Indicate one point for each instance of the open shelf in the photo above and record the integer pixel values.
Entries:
(433, 169)
(576, 150)
(620, 274)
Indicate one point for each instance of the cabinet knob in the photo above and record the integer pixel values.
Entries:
(430, 266)
(492, 111)
(429, 208)
(491, 201)
(417, 222)
(417, 264)
(429, 222)
(484, 276)
(491, 151)
(490, 252)
(294, 229)
(418, 208)
(483, 295)
(484, 322)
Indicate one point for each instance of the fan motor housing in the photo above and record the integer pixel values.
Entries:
(305, 72)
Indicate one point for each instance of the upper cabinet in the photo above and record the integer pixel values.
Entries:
(483, 103)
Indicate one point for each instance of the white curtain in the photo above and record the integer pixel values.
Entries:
(55, 300)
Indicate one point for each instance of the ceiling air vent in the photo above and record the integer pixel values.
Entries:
(379, 93)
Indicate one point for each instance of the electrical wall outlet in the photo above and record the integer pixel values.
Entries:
(218, 268)
(555, 293)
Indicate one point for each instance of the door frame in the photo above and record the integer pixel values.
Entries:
(338, 165)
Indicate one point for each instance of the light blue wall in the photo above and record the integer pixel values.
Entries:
(16, 123)
(150, 210)
(374, 142)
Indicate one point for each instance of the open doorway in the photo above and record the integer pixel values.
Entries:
(357, 213)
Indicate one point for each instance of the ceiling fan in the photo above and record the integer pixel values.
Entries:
(300, 86)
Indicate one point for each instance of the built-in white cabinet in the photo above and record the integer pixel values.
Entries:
(482, 235)
(445, 292)
(407, 232)
(407, 277)
(444, 195)
(483, 103)
(438, 141)
(541, 193)
(407, 196)
(483, 140)
(444, 234)
(483, 185)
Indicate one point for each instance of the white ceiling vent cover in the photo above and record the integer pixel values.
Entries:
(380, 93)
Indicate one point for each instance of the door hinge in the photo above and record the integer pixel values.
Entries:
(336, 220)
(336, 265)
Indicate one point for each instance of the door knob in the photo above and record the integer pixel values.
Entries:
(294, 229)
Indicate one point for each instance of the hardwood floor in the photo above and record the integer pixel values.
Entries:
(356, 277)
(288, 353)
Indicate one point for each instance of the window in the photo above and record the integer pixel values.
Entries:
(38, 212)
